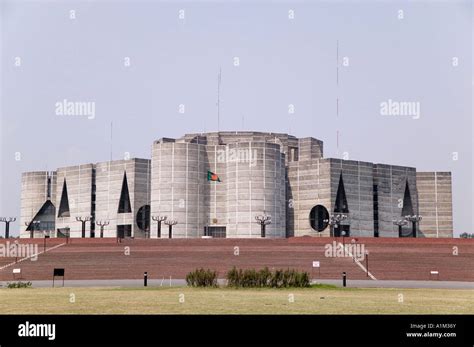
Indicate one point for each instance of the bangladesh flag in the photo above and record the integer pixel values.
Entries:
(211, 176)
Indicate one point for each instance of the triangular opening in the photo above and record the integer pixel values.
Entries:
(124, 203)
(341, 200)
(64, 203)
(407, 205)
(45, 216)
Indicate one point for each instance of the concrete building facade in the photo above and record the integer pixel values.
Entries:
(216, 184)
(252, 176)
(122, 197)
(38, 193)
(115, 192)
(436, 206)
(74, 199)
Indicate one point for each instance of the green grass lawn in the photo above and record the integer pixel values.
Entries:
(166, 300)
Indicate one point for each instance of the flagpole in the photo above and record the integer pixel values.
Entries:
(218, 98)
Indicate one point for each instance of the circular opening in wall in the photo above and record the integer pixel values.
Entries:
(318, 218)
(143, 218)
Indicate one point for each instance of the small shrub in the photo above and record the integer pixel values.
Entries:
(276, 279)
(202, 278)
(19, 284)
(303, 279)
(251, 278)
(264, 277)
(232, 277)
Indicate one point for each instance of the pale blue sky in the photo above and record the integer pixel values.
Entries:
(282, 62)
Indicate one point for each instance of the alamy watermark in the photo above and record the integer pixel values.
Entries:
(37, 330)
(17, 250)
(237, 155)
(400, 108)
(338, 250)
(75, 108)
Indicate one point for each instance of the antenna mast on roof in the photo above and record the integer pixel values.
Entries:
(218, 98)
(111, 132)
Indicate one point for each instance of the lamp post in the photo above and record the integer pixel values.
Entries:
(68, 233)
(414, 219)
(33, 225)
(83, 220)
(263, 220)
(367, 262)
(7, 222)
(45, 237)
(400, 223)
(353, 255)
(170, 223)
(16, 251)
(158, 220)
(102, 224)
(334, 221)
(343, 234)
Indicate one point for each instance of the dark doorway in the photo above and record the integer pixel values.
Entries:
(124, 231)
(215, 232)
(63, 232)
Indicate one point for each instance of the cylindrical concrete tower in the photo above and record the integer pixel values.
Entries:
(178, 186)
(251, 182)
(255, 186)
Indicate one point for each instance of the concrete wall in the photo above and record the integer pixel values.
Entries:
(215, 193)
(34, 193)
(358, 181)
(276, 174)
(79, 188)
(141, 191)
(308, 185)
(315, 182)
(178, 187)
(435, 199)
(309, 149)
(391, 181)
(109, 181)
(252, 181)
(255, 187)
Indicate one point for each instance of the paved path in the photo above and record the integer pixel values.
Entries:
(181, 282)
